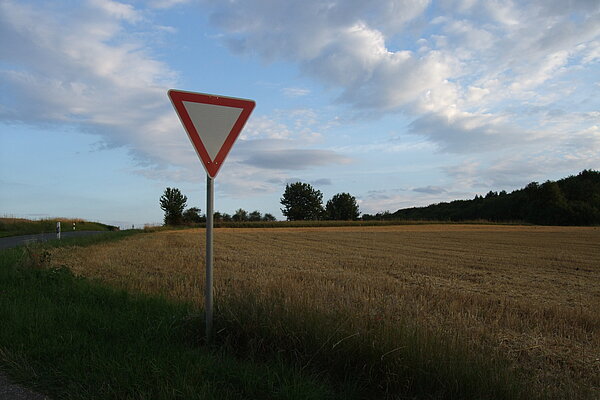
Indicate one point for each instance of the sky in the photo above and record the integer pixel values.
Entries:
(400, 103)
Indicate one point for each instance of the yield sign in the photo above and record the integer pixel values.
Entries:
(212, 123)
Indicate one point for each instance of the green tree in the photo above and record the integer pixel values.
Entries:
(192, 215)
(255, 216)
(269, 217)
(172, 202)
(342, 206)
(302, 202)
(240, 215)
(226, 217)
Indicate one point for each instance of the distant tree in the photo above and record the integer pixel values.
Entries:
(192, 215)
(302, 202)
(172, 202)
(226, 217)
(269, 217)
(342, 206)
(386, 215)
(254, 216)
(217, 216)
(240, 215)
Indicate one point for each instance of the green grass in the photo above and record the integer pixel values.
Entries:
(88, 240)
(20, 226)
(75, 339)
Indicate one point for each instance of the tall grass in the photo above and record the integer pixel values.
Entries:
(376, 360)
(75, 339)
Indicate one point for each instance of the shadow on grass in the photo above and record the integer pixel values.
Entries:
(71, 338)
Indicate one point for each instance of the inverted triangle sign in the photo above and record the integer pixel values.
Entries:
(212, 123)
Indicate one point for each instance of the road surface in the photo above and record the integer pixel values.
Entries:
(13, 241)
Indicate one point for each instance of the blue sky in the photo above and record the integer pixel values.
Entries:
(400, 103)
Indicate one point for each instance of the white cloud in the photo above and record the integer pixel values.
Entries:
(430, 189)
(295, 92)
(294, 159)
(456, 74)
(471, 133)
(376, 201)
(167, 3)
(262, 127)
(514, 78)
(384, 200)
(78, 67)
(118, 10)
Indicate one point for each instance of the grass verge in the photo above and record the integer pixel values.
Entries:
(75, 339)
(82, 241)
(22, 226)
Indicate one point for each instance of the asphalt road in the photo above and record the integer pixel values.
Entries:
(13, 241)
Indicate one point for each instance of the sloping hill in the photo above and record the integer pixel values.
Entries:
(22, 226)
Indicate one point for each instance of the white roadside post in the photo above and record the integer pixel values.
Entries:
(58, 230)
(212, 123)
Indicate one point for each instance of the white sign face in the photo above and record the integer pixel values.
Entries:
(212, 123)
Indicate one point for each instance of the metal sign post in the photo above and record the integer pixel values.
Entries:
(208, 290)
(212, 123)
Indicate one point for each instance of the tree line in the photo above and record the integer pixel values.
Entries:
(300, 201)
(574, 200)
(173, 203)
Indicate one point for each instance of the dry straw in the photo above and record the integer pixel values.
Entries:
(530, 293)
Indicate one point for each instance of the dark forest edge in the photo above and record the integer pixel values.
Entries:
(574, 200)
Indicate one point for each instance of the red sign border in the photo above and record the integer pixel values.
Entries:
(179, 96)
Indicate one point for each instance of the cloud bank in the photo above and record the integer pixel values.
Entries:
(92, 67)
(466, 71)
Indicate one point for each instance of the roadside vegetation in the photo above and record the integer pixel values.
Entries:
(23, 226)
(71, 338)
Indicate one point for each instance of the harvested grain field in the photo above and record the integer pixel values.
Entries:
(531, 293)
